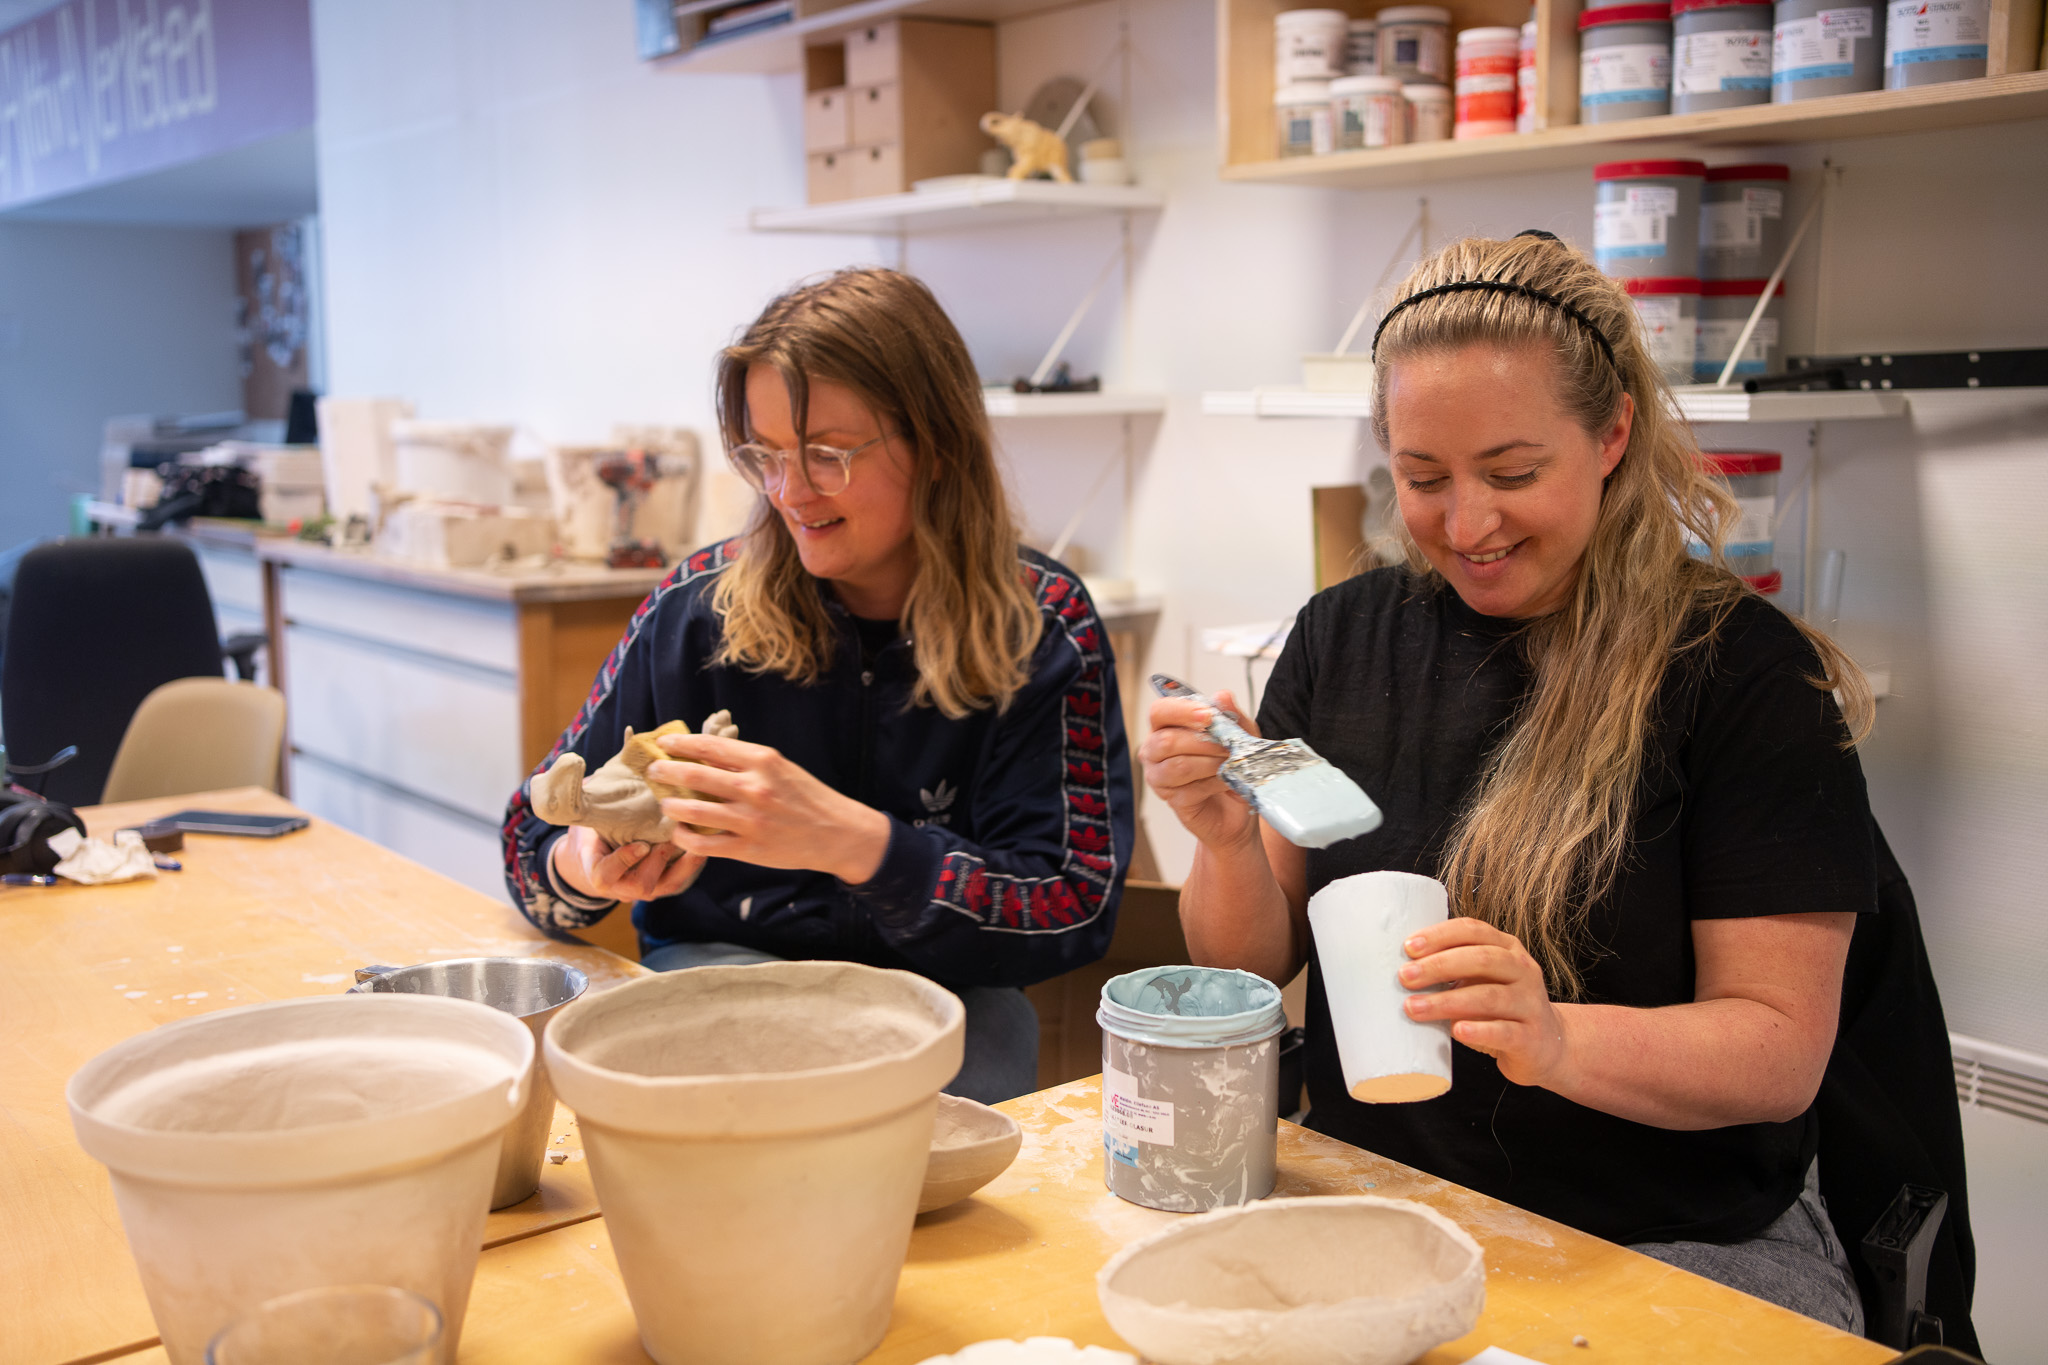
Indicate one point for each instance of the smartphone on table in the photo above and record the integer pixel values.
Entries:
(232, 822)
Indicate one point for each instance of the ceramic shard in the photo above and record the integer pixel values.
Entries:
(619, 800)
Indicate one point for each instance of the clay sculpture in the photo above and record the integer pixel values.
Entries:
(972, 1144)
(1353, 1280)
(1035, 148)
(618, 800)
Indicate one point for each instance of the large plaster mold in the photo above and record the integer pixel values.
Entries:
(758, 1137)
(972, 1144)
(1353, 1280)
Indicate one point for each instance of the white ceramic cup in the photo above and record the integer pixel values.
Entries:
(1360, 924)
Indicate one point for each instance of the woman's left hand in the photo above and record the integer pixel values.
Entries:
(1494, 998)
(767, 810)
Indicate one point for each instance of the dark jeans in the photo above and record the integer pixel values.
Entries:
(1001, 1060)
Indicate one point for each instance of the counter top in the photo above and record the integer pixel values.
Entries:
(556, 581)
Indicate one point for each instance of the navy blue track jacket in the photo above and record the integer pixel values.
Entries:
(1010, 831)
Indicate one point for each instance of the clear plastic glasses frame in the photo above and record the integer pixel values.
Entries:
(827, 469)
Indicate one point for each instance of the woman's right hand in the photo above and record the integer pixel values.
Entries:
(584, 860)
(1181, 764)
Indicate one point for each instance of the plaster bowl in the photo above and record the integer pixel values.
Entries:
(972, 1144)
(1355, 1280)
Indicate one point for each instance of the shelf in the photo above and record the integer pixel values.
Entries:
(821, 21)
(1957, 104)
(1697, 404)
(1005, 403)
(967, 201)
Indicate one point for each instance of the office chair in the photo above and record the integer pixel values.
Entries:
(96, 625)
(199, 735)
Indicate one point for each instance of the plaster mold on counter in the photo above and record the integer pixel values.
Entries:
(972, 1144)
(1355, 1280)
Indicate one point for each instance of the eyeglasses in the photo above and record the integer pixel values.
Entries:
(827, 469)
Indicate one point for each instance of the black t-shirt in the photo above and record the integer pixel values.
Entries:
(1748, 806)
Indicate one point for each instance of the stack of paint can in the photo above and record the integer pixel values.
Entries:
(1742, 234)
(1646, 233)
(1752, 476)
(1826, 47)
(1310, 47)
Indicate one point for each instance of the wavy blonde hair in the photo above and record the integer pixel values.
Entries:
(1547, 829)
(972, 622)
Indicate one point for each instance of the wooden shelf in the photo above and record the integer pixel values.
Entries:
(966, 201)
(1696, 404)
(822, 21)
(1005, 403)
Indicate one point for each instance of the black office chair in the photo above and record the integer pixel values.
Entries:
(95, 626)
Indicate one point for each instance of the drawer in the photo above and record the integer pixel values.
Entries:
(876, 114)
(877, 170)
(829, 177)
(874, 54)
(466, 629)
(825, 121)
(441, 840)
(232, 579)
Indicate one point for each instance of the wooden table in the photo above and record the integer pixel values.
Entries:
(254, 920)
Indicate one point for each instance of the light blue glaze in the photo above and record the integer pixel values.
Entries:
(1191, 1007)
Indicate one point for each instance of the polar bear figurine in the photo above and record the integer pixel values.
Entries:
(1033, 147)
(618, 800)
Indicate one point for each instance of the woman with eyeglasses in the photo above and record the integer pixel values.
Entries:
(931, 770)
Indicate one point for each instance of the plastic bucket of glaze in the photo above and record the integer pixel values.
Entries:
(1429, 112)
(1359, 924)
(1720, 54)
(1742, 221)
(758, 1137)
(1309, 44)
(1927, 42)
(1362, 48)
(1646, 217)
(1485, 89)
(1669, 312)
(1725, 306)
(1301, 118)
(531, 990)
(1368, 112)
(1414, 43)
(1624, 63)
(1752, 476)
(1190, 1086)
(260, 1151)
(1825, 47)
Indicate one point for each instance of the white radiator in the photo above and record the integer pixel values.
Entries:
(2006, 1079)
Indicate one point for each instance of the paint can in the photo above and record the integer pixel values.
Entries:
(1308, 45)
(1720, 54)
(1301, 116)
(1486, 62)
(1190, 1086)
(1646, 217)
(1752, 476)
(1927, 42)
(1669, 310)
(1367, 111)
(1742, 221)
(1624, 63)
(1525, 80)
(1429, 112)
(1414, 43)
(1825, 47)
(1724, 306)
(1362, 48)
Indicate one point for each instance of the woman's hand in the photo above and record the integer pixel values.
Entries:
(1181, 763)
(635, 872)
(1494, 997)
(767, 810)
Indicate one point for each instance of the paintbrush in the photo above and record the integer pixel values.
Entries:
(1292, 787)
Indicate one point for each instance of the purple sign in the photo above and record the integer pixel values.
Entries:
(93, 91)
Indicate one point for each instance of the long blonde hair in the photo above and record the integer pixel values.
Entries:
(1548, 827)
(972, 622)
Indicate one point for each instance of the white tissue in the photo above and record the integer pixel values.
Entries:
(95, 861)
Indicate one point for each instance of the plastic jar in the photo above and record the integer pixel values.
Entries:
(1301, 115)
(1826, 47)
(1487, 59)
(1414, 43)
(1742, 221)
(1669, 310)
(1724, 306)
(1752, 476)
(1927, 42)
(1362, 48)
(1525, 80)
(1720, 54)
(1646, 217)
(1308, 45)
(1190, 1086)
(1624, 63)
(1429, 112)
(1368, 111)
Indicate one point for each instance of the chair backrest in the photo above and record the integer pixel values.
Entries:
(198, 735)
(96, 625)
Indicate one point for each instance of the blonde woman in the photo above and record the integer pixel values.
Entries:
(1625, 765)
(931, 771)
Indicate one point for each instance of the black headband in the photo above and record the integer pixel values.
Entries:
(1502, 287)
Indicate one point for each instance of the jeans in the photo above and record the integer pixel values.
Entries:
(1797, 1262)
(1001, 1060)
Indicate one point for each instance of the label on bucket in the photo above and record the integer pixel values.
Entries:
(1820, 48)
(1128, 1118)
(1636, 224)
(1738, 224)
(1628, 73)
(1713, 63)
(1717, 339)
(1937, 31)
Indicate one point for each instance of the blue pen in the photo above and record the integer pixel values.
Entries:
(25, 879)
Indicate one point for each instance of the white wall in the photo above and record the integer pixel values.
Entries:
(95, 321)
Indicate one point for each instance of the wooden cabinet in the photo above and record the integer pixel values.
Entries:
(909, 95)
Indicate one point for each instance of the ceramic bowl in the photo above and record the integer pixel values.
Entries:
(972, 1144)
(1353, 1280)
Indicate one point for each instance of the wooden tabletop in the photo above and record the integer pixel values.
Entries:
(252, 919)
